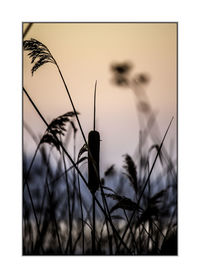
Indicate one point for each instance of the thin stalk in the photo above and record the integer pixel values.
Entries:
(159, 230)
(94, 120)
(76, 115)
(150, 231)
(113, 227)
(31, 164)
(54, 218)
(94, 225)
(34, 212)
(131, 232)
(155, 242)
(44, 194)
(76, 242)
(35, 107)
(69, 169)
(107, 211)
(74, 175)
(42, 206)
(81, 206)
(149, 195)
(69, 208)
(169, 225)
(27, 29)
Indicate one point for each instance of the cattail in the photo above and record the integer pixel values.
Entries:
(93, 168)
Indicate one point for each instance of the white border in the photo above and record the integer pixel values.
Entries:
(12, 14)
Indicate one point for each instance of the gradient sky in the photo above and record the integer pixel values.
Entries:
(84, 53)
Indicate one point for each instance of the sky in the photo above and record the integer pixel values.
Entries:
(84, 53)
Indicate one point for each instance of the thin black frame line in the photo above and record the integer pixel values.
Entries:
(103, 22)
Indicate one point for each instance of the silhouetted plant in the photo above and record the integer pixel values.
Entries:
(57, 127)
(131, 171)
(123, 203)
(110, 171)
(39, 53)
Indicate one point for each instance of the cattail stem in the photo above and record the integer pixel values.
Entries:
(94, 225)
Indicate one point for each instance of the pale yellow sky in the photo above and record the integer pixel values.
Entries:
(84, 53)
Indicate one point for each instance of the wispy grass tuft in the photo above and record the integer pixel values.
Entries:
(39, 53)
(57, 127)
(131, 171)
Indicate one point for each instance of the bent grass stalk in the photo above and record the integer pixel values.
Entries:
(69, 242)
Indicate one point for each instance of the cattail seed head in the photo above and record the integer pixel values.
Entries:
(93, 160)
